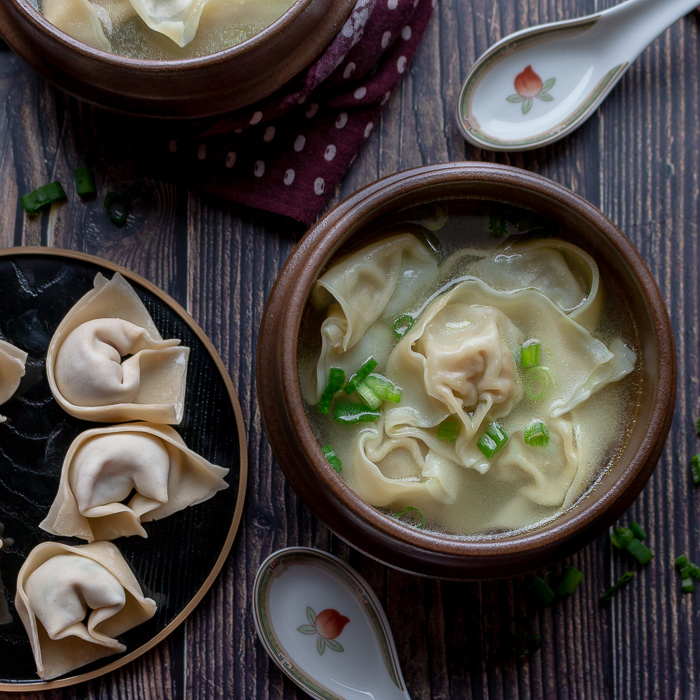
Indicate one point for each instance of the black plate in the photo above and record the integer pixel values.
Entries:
(178, 561)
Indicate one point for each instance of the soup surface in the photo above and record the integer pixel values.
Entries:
(162, 29)
(468, 368)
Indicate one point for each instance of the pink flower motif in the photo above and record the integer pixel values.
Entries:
(328, 625)
(528, 85)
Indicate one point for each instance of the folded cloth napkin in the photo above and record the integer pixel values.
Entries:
(288, 152)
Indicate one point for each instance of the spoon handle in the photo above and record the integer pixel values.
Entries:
(636, 23)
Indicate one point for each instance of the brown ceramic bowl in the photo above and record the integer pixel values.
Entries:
(189, 88)
(363, 526)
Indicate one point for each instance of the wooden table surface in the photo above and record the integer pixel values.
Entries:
(637, 159)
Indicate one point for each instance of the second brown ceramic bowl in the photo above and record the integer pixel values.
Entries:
(366, 528)
(190, 88)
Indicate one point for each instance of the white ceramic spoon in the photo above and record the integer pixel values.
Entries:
(323, 626)
(537, 85)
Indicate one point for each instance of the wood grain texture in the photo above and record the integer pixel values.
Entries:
(637, 159)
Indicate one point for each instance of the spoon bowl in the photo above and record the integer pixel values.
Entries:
(322, 624)
(537, 85)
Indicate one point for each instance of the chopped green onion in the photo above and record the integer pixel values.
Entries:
(686, 582)
(540, 592)
(523, 640)
(530, 354)
(536, 382)
(117, 207)
(412, 510)
(682, 561)
(536, 434)
(497, 224)
(368, 396)
(694, 571)
(360, 375)
(637, 531)
(403, 324)
(640, 552)
(336, 379)
(695, 468)
(332, 458)
(354, 413)
(43, 196)
(492, 440)
(84, 182)
(621, 537)
(448, 430)
(384, 388)
(612, 591)
(570, 581)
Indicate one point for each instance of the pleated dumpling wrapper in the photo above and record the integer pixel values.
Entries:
(59, 586)
(105, 465)
(87, 373)
(12, 362)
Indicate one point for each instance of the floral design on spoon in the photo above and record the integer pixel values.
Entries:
(528, 85)
(328, 625)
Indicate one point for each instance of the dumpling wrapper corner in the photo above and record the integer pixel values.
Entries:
(12, 367)
(56, 587)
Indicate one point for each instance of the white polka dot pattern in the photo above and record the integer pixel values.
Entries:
(312, 111)
(401, 64)
(202, 151)
(259, 169)
(330, 152)
(342, 120)
(360, 92)
(289, 177)
(269, 134)
(319, 185)
(230, 159)
(256, 118)
(300, 143)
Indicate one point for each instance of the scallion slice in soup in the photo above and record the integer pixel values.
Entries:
(336, 379)
(368, 395)
(530, 354)
(354, 413)
(360, 376)
(536, 434)
(403, 324)
(448, 430)
(384, 388)
(536, 383)
(42, 197)
(492, 440)
(332, 458)
(412, 510)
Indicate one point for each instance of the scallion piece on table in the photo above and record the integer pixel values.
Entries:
(686, 582)
(530, 354)
(570, 581)
(368, 396)
(332, 458)
(638, 531)
(640, 551)
(621, 537)
(117, 207)
(492, 440)
(42, 197)
(360, 375)
(681, 561)
(695, 468)
(412, 510)
(384, 388)
(84, 182)
(336, 379)
(536, 382)
(354, 413)
(448, 430)
(536, 434)
(403, 324)
(694, 571)
(540, 592)
(612, 591)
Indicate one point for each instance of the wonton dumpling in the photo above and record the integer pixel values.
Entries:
(84, 360)
(56, 588)
(79, 19)
(104, 465)
(372, 283)
(176, 19)
(12, 362)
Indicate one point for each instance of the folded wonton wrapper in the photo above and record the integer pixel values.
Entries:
(87, 373)
(58, 585)
(12, 361)
(104, 465)
(79, 19)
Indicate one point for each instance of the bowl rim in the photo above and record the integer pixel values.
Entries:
(37, 20)
(313, 253)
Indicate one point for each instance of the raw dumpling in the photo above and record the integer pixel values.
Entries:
(87, 373)
(12, 361)
(176, 19)
(105, 465)
(59, 585)
(79, 19)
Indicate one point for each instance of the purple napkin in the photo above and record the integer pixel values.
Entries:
(288, 152)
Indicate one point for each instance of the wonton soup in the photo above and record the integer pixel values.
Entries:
(162, 29)
(469, 369)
